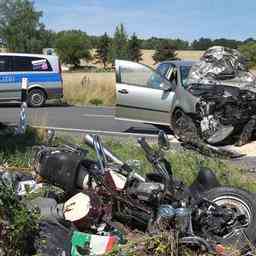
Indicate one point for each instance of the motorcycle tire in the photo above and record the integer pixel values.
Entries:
(244, 202)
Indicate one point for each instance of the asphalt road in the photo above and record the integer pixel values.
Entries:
(79, 118)
(101, 120)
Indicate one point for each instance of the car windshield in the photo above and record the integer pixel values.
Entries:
(184, 70)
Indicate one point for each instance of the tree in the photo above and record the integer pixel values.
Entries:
(103, 50)
(152, 43)
(72, 46)
(249, 40)
(134, 49)
(249, 52)
(21, 28)
(119, 49)
(165, 51)
(202, 44)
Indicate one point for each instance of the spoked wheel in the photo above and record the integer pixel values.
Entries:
(235, 223)
(183, 127)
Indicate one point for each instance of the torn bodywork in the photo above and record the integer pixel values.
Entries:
(226, 93)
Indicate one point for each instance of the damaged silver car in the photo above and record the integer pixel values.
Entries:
(213, 100)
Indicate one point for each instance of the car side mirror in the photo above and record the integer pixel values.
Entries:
(166, 86)
(163, 141)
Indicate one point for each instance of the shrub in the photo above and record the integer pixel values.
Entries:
(96, 101)
(249, 51)
(18, 226)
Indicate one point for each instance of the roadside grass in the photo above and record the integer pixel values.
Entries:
(16, 152)
(185, 164)
(89, 88)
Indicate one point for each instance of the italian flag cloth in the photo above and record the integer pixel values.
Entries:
(88, 244)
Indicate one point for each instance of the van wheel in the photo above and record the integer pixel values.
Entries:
(36, 98)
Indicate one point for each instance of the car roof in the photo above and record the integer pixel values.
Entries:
(179, 63)
(29, 55)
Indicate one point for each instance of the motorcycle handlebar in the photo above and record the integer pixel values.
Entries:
(145, 146)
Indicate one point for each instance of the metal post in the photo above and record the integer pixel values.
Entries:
(23, 115)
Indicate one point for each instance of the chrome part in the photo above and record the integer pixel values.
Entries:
(88, 139)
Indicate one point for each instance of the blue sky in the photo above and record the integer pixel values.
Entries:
(186, 19)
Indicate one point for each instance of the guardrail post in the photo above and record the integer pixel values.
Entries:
(23, 115)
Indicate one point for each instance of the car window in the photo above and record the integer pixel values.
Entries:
(163, 68)
(5, 63)
(140, 75)
(31, 64)
(184, 71)
(172, 74)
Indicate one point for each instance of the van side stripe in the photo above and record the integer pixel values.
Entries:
(32, 77)
(48, 77)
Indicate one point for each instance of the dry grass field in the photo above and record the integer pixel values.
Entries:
(185, 55)
(89, 88)
(84, 88)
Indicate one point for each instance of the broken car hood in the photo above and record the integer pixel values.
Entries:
(222, 66)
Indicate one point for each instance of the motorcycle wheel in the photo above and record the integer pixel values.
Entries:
(242, 202)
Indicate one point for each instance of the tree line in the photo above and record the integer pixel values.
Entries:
(21, 30)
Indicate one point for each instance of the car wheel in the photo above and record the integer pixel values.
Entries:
(184, 127)
(36, 98)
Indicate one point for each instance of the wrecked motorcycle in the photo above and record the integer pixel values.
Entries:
(108, 191)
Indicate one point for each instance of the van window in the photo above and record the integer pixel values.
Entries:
(5, 63)
(31, 64)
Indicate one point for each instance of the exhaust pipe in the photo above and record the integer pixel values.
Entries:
(88, 139)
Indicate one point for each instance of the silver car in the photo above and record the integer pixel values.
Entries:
(218, 111)
(154, 96)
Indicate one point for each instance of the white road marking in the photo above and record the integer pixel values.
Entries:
(96, 107)
(98, 116)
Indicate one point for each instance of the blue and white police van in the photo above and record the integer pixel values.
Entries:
(42, 71)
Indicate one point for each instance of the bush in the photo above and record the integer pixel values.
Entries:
(249, 51)
(18, 226)
(96, 101)
(165, 51)
(72, 46)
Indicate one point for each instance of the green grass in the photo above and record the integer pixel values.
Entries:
(185, 164)
(18, 226)
(16, 150)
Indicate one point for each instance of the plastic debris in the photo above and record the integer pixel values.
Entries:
(88, 244)
(29, 186)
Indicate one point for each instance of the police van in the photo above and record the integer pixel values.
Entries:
(42, 71)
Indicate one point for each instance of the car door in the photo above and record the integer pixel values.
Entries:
(143, 94)
(7, 78)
